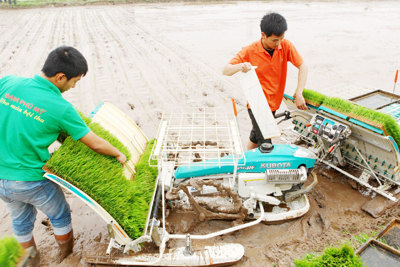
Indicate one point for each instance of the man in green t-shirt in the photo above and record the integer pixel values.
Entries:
(32, 115)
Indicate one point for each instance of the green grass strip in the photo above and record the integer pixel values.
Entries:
(331, 256)
(10, 251)
(102, 178)
(390, 124)
(313, 97)
(338, 104)
(369, 116)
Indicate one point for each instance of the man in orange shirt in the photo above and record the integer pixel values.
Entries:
(270, 55)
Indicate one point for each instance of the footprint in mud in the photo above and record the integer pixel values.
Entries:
(210, 105)
(318, 223)
(98, 237)
(131, 106)
(46, 222)
(319, 198)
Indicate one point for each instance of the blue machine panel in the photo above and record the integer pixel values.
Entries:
(281, 157)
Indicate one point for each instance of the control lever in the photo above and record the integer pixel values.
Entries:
(338, 138)
(285, 114)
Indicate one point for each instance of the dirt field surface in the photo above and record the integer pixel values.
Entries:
(153, 58)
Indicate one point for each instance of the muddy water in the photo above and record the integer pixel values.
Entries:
(147, 59)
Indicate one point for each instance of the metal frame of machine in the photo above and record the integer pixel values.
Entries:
(339, 140)
(197, 142)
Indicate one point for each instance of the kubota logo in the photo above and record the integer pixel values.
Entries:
(275, 165)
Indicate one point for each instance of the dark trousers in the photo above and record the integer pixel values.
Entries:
(255, 134)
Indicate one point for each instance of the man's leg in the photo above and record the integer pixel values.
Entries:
(66, 245)
(54, 205)
(251, 145)
(28, 244)
(34, 260)
(256, 137)
(23, 216)
(24, 197)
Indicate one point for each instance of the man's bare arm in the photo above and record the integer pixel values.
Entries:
(301, 83)
(230, 69)
(101, 146)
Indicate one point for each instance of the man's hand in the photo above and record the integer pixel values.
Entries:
(230, 69)
(245, 67)
(121, 158)
(300, 101)
(103, 147)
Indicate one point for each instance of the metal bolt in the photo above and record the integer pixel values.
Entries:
(188, 249)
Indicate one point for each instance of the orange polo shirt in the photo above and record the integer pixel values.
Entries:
(271, 71)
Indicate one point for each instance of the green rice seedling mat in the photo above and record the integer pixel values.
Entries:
(102, 178)
(313, 98)
(10, 251)
(372, 117)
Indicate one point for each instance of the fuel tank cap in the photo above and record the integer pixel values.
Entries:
(266, 147)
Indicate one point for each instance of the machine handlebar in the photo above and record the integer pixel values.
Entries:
(285, 114)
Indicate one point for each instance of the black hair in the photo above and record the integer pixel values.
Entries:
(67, 60)
(273, 24)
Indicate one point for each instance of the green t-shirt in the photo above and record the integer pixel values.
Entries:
(32, 115)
